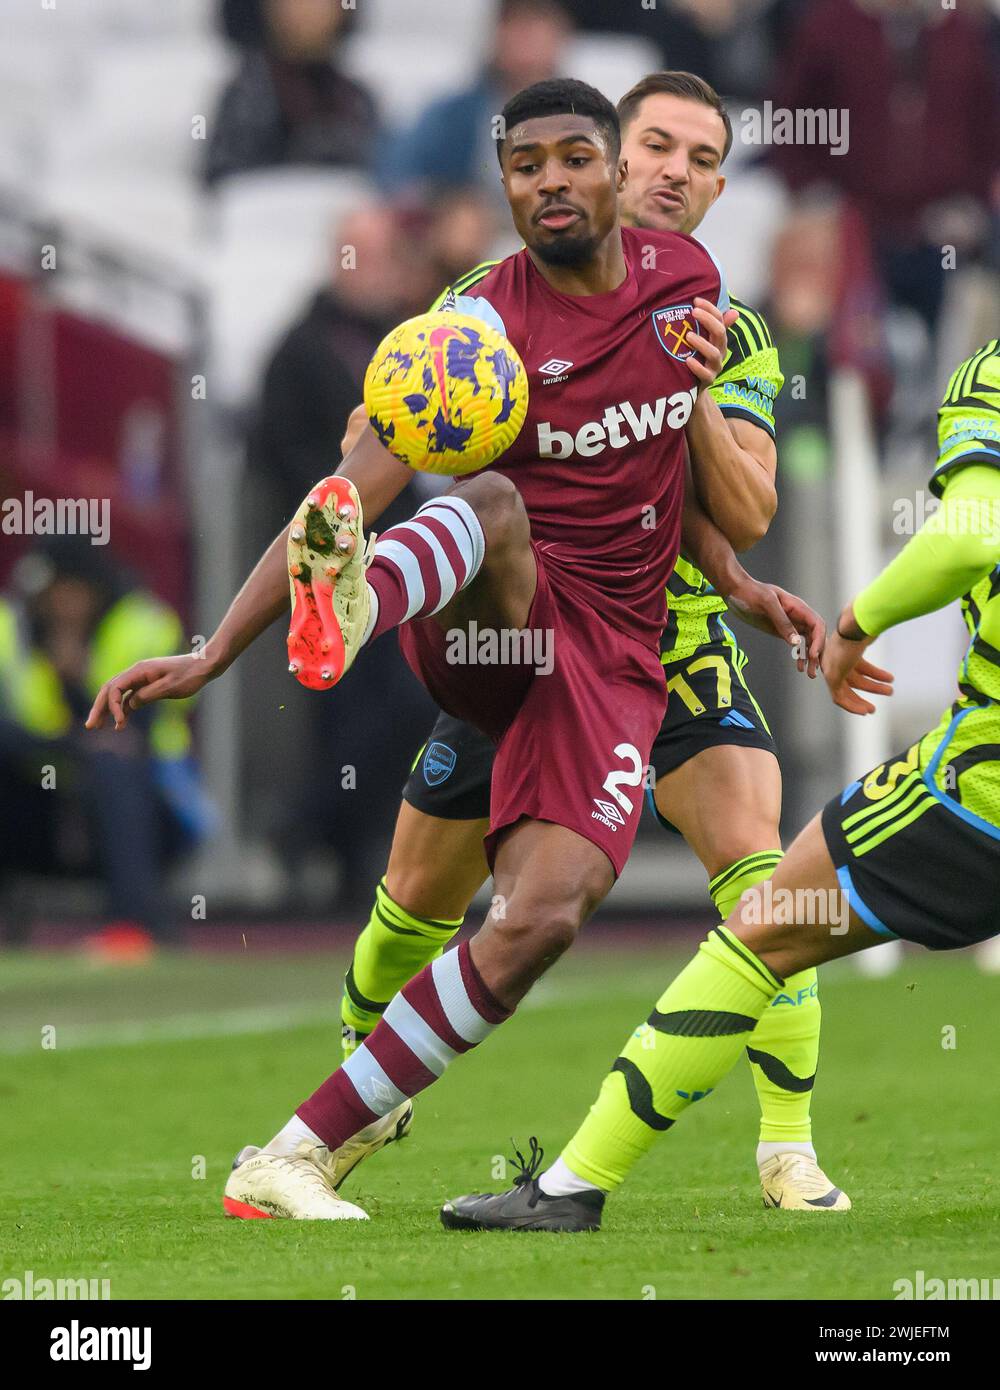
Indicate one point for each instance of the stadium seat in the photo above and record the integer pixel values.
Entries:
(30, 71)
(152, 214)
(164, 85)
(144, 310)
(286, 205)
(271, 238)
(430, 70)
(464, 25)
(742, 228)
(63, 22)
(133, 181)
(55, 26)
(178, 18)
(611, 62)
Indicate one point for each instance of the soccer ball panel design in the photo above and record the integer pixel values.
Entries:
(446, 393)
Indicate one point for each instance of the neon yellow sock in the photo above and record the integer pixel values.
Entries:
(392, 948)
(691, 1039)
(784, 1049)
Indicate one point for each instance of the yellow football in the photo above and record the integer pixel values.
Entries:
(446, 393)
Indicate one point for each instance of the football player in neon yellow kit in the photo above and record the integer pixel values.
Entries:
(717, 778)
(912, 847)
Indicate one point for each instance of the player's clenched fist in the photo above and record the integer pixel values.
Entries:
(163, 678)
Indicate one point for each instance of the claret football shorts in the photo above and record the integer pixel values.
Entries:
(450, 777)
(573, 727)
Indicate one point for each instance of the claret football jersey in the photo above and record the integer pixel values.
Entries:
(600, 460)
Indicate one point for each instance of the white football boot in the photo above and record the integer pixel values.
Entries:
(341, 1162)
(796, 1182)
(295, 1187)
(338, 1164)
(331, 602)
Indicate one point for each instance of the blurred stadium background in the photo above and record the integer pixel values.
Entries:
(209, 215)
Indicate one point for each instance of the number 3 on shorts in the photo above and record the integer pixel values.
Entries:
(614, 781)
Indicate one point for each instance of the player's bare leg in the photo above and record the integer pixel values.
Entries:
(699, 1028)
(726, 802)
(463, 557)
(493, 581)
(436, 867)
(478, 538)
(549, 879)
(510, 950)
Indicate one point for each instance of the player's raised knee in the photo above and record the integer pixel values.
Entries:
(499, 510)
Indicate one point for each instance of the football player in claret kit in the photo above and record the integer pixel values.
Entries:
(550, 539)
(717, 779)
(912, 848)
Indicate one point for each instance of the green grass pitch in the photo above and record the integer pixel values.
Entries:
(160, 1074)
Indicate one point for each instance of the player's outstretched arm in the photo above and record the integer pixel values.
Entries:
(956, 547)
(254, 608)
(764, 606)
(357, 423)
(379, 479)
(734, 463)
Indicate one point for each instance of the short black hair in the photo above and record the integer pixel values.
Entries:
(561, 96)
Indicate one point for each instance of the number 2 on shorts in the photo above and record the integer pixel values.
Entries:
(614, 781)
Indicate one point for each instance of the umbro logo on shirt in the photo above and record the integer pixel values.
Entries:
(555, 369)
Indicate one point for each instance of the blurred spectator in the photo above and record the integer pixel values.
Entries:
(454, 141)
(459, 232)
(924, 136)
(290, 103)
(242, 22)
(314, 379)
(827, 306)
(123, 803)
(385, 266)
(731, 43)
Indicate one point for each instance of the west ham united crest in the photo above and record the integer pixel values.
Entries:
(673, 326)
